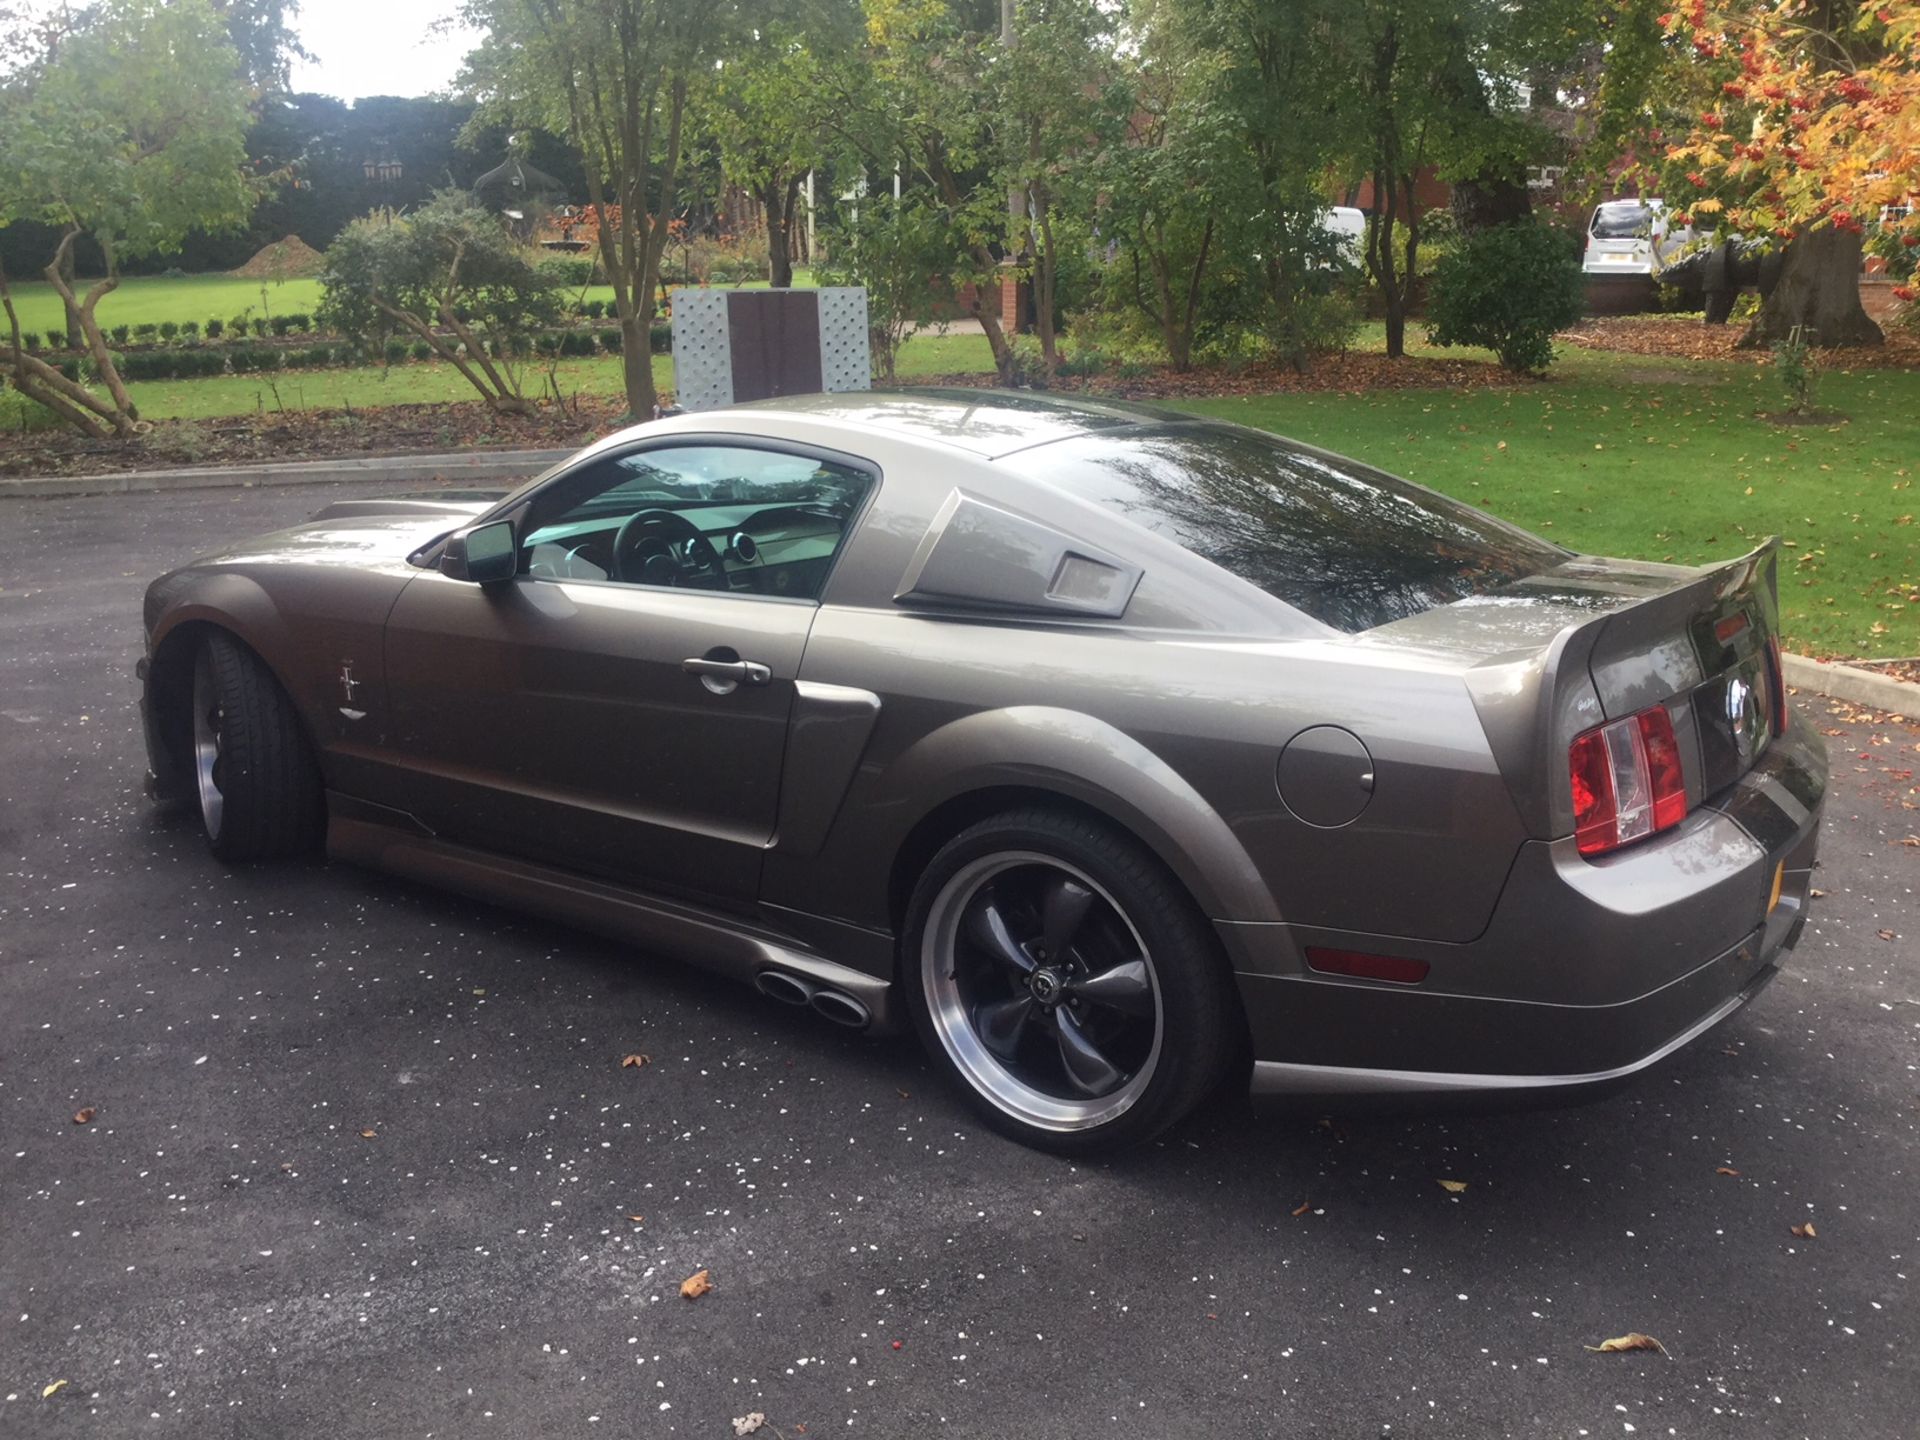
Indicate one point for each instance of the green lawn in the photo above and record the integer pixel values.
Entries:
(153, 299)
(1665, 460)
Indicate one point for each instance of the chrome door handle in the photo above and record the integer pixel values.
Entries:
(751, 671)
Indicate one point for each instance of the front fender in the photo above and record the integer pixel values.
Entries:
(234, 602)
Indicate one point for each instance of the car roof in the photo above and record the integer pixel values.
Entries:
(988, 423)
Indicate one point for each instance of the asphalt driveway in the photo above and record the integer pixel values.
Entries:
(365, 1161)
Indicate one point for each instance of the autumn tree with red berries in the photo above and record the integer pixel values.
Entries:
(1796, 121)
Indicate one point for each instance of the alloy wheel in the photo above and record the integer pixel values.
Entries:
(209, 729)
(1041, 991)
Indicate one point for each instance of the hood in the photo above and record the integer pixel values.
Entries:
(367, 540)
(457, 504)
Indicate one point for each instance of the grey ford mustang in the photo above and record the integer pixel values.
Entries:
(1115, 751)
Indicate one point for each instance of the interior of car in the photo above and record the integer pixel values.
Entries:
(704, 517)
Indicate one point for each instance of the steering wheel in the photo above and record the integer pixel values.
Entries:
(659, 547)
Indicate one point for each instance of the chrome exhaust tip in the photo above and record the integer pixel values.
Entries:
(841, 1009)
(787, 989)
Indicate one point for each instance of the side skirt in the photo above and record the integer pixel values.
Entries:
(720, 943)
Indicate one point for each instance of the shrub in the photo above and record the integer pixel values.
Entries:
(660, 337)
(172, 364)
(238, 323)
(281, 324)
(120, 334)
(576, 342)
(1796, 364)
(595, 309)
(610, 341)
(190, 330)
(21, 416)
(259, 326)
(421, 350)
(251, 359)
(300, 322)
(145, 333)
(395, 351)
(168, 332)
(215, 328)
(30, 339)
(546, 344)
(573, 271)
(1508, 288)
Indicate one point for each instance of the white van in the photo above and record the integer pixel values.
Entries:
(1632, 237)
(1348, 225)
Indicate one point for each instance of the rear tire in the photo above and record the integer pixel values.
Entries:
(1066, 982)
(255, 776)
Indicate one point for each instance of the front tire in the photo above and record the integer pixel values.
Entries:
(255, 777)
(1063, 978)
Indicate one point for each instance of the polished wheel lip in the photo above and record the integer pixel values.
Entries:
(208, 727)
(982, 1070)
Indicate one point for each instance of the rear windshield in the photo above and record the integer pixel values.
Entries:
(1622, 222)
(1350, 546)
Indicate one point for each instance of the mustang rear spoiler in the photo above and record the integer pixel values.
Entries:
(1638, 653)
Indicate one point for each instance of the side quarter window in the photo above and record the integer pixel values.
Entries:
(738, 518)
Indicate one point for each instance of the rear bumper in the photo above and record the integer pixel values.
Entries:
(1588, 973)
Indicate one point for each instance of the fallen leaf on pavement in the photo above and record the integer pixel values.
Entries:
(1304, 1206)
(1632, 1341)
(84, 1117)
(368, 1134)
(1454, 1187)
(44, 1394)
(1806, 1231)
(1816, 894)
(637, 1219)
(1726, 1170)
(634, 1062)
(748, 1423)
(695, 1285)
(1886, 934)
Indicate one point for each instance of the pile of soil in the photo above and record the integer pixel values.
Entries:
(312, 435)
(290, 258)
(1686, 338)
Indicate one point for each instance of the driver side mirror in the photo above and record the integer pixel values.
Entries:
(483, 554)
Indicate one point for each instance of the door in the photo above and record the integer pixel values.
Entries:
(620, 707)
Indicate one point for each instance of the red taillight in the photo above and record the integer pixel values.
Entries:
(1777, 685)
(1627, 782)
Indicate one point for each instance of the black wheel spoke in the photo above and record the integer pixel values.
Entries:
(1001, 1023)
(1089, 1072)
(1124, 987)
(1062, 910)
(987, 928)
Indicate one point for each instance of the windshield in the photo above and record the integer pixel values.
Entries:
(1622, 220)
(1350, 546)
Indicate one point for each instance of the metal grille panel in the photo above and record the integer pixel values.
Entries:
(702, 350)
(845, 362)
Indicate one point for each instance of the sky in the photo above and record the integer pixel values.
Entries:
(377, 47)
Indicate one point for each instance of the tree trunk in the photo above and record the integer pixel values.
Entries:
(75, 336)
(774, 200)
(1819, 291)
